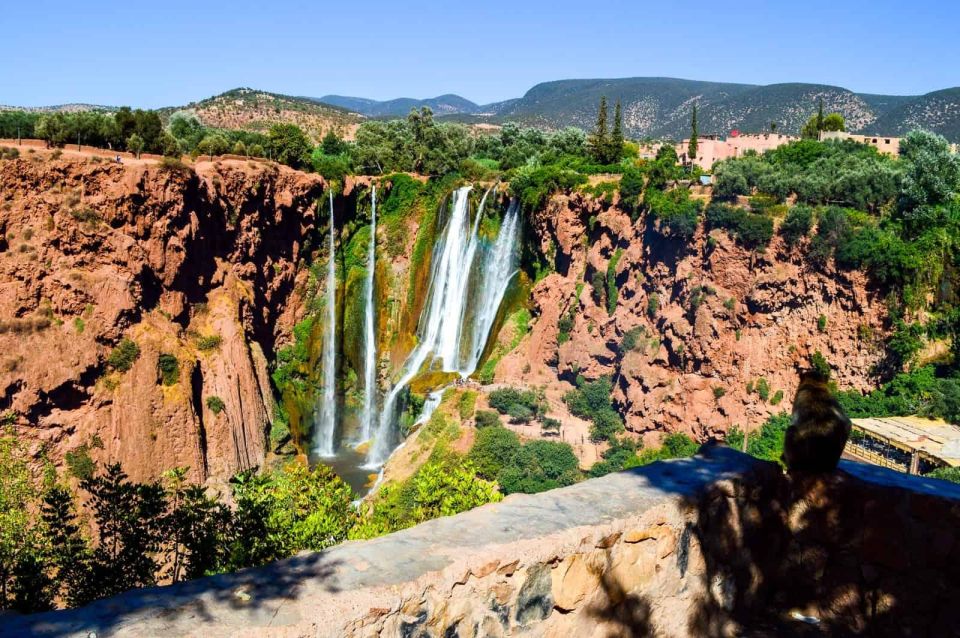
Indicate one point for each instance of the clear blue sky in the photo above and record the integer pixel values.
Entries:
(153, 54)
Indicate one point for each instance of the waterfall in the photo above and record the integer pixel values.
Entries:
(369, 333)
(500, 268)
(326, 412)
(464, 273)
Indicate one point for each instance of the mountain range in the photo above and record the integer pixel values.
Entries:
(662, 107)
(653, 107)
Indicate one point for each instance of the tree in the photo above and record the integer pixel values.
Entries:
(694, 137)
(169, 145)
(332, 144)
(130, 520)
(599, 142)
(289, 144)
(23, 583)
(494, 448)
(70, 553)
(820, 122)
(615, 152)
(135, 144)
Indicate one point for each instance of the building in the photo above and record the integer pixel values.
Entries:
(711, 149)
(884, 144)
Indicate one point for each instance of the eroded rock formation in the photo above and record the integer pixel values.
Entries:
(709, 320)
(201, 265)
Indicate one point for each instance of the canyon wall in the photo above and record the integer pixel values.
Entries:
(717, 545)
(202, 265)
(709, 319)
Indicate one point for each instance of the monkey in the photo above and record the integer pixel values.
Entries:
(819, 427)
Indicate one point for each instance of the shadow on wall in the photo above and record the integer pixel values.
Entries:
(254, 593)
(817, 555)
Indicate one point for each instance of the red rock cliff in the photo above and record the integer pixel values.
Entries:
(723, 318)
(93, 252)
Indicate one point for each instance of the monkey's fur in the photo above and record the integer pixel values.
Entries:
(819, 428)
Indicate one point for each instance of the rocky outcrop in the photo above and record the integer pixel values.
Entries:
(717, 545)
(709, 320)
(202, 264)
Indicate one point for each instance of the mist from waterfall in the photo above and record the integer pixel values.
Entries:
(325, 412)
(467, 283)
(369, 415)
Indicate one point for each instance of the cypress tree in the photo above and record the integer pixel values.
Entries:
(820, 118)
(600, 141)
(616, 137)
(694, 137)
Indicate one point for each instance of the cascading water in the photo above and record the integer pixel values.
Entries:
(500, 269)
(325, 413)
(368, 416)
(446, 321)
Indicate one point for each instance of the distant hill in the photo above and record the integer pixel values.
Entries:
(448, 104)
(653, 107)
(938, 111)
(255, 110)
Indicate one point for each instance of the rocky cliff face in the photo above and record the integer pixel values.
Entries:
(708, 319)
(198, 265)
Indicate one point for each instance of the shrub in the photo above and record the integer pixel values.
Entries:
(79, 463)
(719, 392)
(797, 225)
(169, 369)
(209, 342)
(632, 339)
(763, 389)
(216, 404)
(486, 418)
(598, 283)
(749, 229)
(85, 215)
(653, 305)
(822, 323)
(611, 278)
(820, 365)
(777, 398)
(520, 413)
(493, 449)
(677, 213)
(124, 355)
(174, 165)
(549, 423)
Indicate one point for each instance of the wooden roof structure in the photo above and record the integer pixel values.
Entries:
(933, 438)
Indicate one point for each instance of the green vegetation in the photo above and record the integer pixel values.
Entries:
(167, 529)
(124, 355)
(536, 466)
(592, 401)
(521, 406)
(447, 484)
(205, 343)
(749, 229)
(767, 444)
(169, 369)
(611, 281)
(215, 404)
(677, 213)
(624, 453)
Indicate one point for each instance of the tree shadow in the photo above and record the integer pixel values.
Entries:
(854, 552)
(255, 596)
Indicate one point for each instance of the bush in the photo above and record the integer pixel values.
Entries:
(216, 404)
(520, 413)
(797, 225)
(169, 369)
(208, 342)
(822, 323)
(677, 213)
(486, 418)
(493, 449)
(520, 405)
(820, 365)
(653, 305)
(124, 355)
(749, 229)
(79, 463)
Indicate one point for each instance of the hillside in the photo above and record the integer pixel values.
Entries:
(254, 110)
(938, 111)
(448, 104)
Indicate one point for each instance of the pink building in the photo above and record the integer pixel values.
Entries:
(710, 149)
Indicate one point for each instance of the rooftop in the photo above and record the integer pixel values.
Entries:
(934, 438)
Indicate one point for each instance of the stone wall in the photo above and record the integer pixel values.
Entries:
(717, 545)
